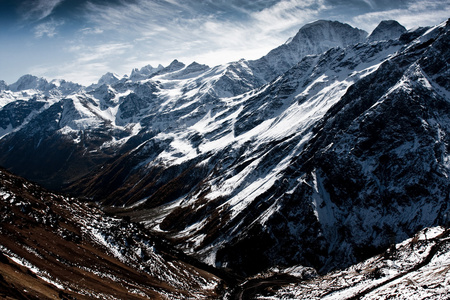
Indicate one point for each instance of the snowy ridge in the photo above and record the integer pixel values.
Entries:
(418, 267)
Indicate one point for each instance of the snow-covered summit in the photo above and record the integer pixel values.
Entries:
(109, 78)
(387, 30)
(312, 38)
(41, 85)
(27, 82)
(144, 72)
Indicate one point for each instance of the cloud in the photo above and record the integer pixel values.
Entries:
(47, 29)
(201, 27)
(88, 54)
(119, 35)
(89, 30)
(36, 10)
(413, 15)
(287, 14)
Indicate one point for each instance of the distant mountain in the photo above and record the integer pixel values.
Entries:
(108, 79)
(320, 154)
(387, 30)
(30, 82)
(3, 85)
(144, 72)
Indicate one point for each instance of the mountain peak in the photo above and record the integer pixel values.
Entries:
(196, 67)
(29, 81)
(3, 85)
(322, 23)
(387, 30)
(331, 31)
(109, 78)
(175, 65)
(313, 38)
(144, 72)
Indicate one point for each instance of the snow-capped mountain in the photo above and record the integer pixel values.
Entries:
(387, 30)
(108, 79)
(30, 82)
(313, 38)
(145, 72)
(319, 154)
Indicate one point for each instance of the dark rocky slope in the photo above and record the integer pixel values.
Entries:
(55, 247)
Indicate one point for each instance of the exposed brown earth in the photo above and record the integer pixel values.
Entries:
(47, 252)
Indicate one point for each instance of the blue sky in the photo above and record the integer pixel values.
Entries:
(79, 40)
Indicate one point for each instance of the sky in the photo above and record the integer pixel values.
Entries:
(80, 40)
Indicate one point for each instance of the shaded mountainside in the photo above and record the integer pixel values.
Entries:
(54, 247)
(322, 162)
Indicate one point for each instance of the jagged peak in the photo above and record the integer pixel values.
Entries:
(195, 66)
(145, 72)
(175, 64)
(313, 38)
(3, 85)
(109, 78)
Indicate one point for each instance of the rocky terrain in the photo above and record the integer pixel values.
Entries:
(418, 268)
(316, 157)
(56, 247)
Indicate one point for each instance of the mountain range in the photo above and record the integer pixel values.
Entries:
(317, 156)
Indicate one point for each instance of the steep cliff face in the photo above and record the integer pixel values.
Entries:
(377, 166)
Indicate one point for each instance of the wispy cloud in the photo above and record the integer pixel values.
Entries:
(414, 14)
(103, 52)
(118, 35)
(36, 10)
(48, 29)
(288, 13)
(89, 30)
(201, 28)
